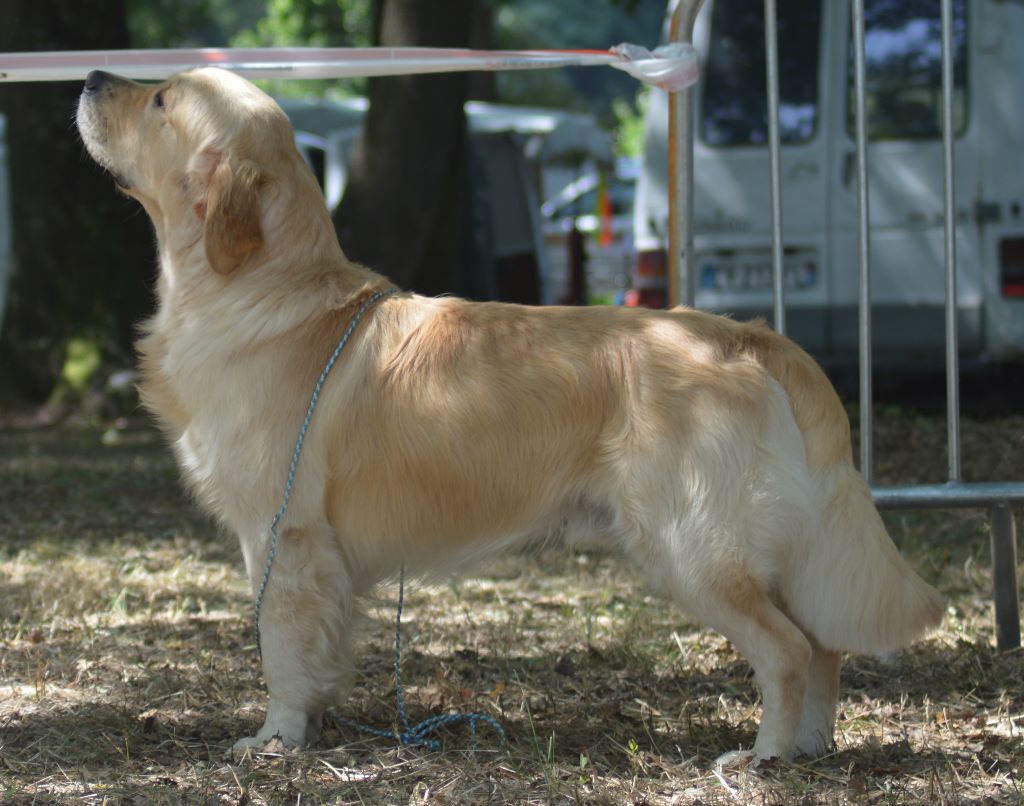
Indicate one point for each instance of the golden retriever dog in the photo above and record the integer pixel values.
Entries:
(713, 454)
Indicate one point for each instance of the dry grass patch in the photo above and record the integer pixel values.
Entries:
(126, 664)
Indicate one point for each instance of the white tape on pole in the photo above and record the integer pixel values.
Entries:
(672, 67)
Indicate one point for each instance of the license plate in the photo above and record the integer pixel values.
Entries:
(752, 271)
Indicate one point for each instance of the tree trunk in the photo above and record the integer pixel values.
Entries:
(403, 209)
(83, 253)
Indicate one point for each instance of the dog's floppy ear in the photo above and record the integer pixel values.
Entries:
(230, 209)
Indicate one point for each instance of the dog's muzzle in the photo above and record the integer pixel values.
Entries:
(95, 81)
(99, 80)
(92, 123)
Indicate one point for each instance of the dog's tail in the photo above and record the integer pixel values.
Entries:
(850, 588)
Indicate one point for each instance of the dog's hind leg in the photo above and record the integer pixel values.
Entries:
(304, 625)
(777, 650)
(818, 717)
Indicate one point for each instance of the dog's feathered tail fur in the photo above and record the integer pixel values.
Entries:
(850, 589)
(840, 597)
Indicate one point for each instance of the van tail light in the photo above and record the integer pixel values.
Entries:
(650, 280)
(1011, 267)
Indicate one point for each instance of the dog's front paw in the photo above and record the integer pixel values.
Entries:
(256, 744)
(739, 760)
(285, 728)
(735, 760)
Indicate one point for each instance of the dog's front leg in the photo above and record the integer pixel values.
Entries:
(305, 622)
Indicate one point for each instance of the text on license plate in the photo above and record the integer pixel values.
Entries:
(753, 271)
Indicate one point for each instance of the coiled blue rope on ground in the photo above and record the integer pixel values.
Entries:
(420, 733)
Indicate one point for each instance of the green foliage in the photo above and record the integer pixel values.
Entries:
(81, 360)
(189, 23)
(257, 24)
(251, 23)
(629, 123)
(310, 23)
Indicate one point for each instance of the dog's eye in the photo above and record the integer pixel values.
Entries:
(158, 100)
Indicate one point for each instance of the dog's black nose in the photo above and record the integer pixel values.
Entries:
(95, 81)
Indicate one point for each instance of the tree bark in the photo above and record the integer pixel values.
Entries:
(403, 209)
(83, 253)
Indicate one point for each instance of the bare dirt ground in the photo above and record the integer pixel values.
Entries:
(127, 667)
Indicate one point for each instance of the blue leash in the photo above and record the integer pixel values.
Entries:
(409, 736)
(272, 554)
(420, 733)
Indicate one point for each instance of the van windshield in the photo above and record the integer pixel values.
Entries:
(903, 70)
(735, 107)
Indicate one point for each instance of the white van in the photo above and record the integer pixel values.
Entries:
(732, 234)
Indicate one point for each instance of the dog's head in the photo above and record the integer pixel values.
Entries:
(199, 151)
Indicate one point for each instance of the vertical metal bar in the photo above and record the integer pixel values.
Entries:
(771, 49)
(1004, 577)
(949, 226)
(863, 244)
(680, 169)
(677, 193)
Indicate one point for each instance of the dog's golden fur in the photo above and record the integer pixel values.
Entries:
(715, 454)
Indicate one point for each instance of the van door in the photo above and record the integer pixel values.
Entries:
(732, 186)
(903, 71)
(998, 30)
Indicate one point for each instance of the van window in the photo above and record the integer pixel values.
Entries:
(903, 69)
(735, 98)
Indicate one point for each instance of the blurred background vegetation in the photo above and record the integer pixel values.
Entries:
(84, 260)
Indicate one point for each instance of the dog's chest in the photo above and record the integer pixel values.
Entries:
(226, 432)
(237, 473)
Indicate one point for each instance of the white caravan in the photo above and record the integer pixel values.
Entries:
(819, 187)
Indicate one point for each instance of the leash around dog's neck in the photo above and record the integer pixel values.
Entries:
(418, 734)
(272, 553)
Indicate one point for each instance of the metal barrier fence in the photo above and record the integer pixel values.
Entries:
(996, 496)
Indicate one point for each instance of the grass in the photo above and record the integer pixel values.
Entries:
(127, 667)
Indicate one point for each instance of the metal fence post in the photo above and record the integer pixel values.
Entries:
(1004, 577)
(771, 49)
(680, 169)
(864, 246)
(949, 233)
